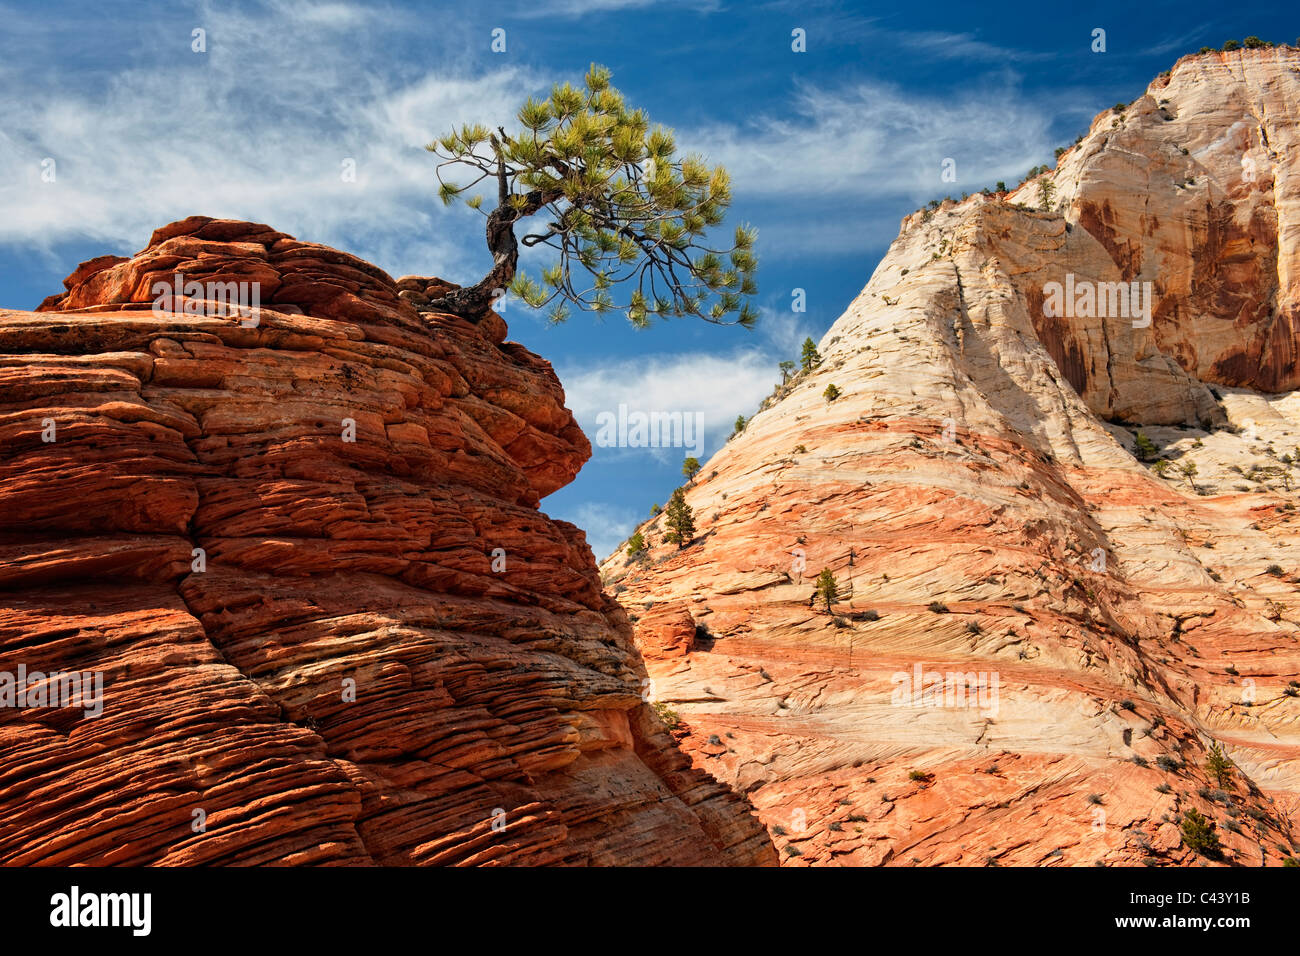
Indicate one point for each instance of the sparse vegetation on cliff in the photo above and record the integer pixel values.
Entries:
(667, 715)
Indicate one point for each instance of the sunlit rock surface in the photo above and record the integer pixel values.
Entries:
(975, 492)
(307, 558)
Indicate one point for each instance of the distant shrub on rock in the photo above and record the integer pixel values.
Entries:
(827, 590)
(635, 544)
(1198, 834)
(1146, 449)
(680, 520)
(809, 356)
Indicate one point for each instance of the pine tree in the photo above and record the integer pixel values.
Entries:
(1198, 834)
(827, 590)
(786, 368)
(810, 357)
(1219, 765)
(635, 544)
(680, 520)
(614, 200)
(691, 467)
(832, 392)
(1046, 192)
(740, 425)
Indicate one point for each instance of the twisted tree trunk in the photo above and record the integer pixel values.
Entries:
(474, 302)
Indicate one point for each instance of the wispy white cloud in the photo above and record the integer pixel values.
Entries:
(1187, 42)
(258, 127)
(718, 387)
(943, 45)
(785, 330)
(607, 525)
(585, 8)
(874, 140)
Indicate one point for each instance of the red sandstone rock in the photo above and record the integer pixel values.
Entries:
(496, 715)
(667, 631)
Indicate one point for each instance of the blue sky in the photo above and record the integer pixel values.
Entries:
(828, 148)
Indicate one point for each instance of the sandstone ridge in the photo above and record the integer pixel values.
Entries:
(974, 489)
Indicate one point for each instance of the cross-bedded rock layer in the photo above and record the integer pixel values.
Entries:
(276, 541)
(973, 490)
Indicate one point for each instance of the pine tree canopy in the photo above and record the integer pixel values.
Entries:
(809, 355)
(626, 215)
(680, 520)
(827, 588)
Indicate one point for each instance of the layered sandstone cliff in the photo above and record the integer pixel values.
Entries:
(975, 493)
(304, 551)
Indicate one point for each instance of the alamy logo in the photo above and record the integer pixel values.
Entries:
(74, 908)
(209, 298)
(56, 689)
(922, 688)
(1086, 299)
(638, 429)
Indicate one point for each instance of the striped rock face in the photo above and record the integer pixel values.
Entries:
(297, 550)
(1037, 639)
